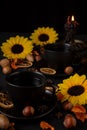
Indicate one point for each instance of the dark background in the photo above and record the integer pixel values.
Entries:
(27, 15)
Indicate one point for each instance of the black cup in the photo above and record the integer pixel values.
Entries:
(26, 87)
(58, 55)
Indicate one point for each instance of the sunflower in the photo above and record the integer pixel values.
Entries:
(16, 47)
(74, 89)
(43, 36)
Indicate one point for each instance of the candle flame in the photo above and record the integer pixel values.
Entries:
(72, 18)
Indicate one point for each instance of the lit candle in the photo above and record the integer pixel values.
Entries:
(70, 28)
(72, 18)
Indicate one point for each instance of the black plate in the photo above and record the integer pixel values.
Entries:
(43, 109)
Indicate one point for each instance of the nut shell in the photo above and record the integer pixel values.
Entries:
(30, 57)
(4, 122)
(68, 70)
(4, 62)
(69, 121)
(6, 70)
(28, 111)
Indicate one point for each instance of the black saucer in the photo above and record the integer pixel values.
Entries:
(43, 109)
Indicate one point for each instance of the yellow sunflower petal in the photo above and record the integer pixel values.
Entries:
(77, 80)
(17, 47)
(17, 39)
(12, 40)
(50, 32)
(67, 82)
(74, 89)
(85, 84)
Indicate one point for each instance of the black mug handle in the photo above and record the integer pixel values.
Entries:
(49, 93)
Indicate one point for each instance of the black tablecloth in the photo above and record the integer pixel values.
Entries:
(57, 123)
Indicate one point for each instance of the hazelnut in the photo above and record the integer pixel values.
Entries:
(4, 62)
(4, 122)
(59, 96)
(6, 69)
(30, 57)
(67, 105)
(38, 57)
(69, 121)
(68, 70)
(28, 111)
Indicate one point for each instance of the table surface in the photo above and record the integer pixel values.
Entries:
(57, 123)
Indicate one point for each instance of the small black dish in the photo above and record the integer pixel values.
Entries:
(41, 110)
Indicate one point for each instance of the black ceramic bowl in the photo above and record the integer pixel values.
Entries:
(26, 86)
(58, 55)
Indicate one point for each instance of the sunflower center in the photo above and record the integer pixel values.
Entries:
(43, 37)
(16, 49)
(76, 90)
